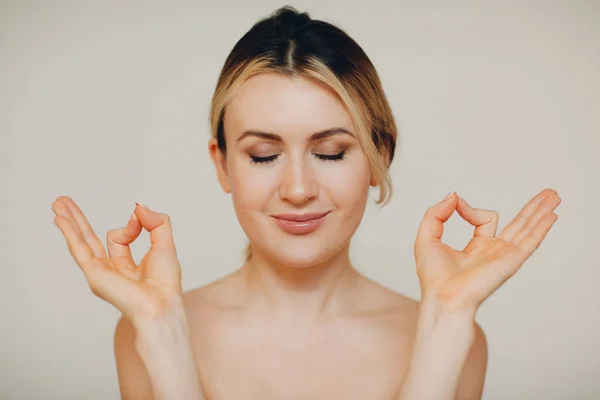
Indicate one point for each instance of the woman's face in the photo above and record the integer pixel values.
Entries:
(297, 174)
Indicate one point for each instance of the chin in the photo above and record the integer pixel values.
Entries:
(296, 254)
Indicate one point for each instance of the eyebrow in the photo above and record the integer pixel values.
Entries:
(314, 137)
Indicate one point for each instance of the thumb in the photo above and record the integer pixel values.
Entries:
(432, 226)
(159, 226)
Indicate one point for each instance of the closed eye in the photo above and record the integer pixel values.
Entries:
(333, 157)
(261, 160)
(325, 157)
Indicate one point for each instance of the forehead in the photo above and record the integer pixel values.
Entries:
(285, 105)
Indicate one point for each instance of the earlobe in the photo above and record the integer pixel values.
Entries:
(373, 181)
(220, 163)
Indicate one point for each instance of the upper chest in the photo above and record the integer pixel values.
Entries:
(346, 359)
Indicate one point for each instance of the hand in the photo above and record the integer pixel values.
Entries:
(462, 280)
(146, 290)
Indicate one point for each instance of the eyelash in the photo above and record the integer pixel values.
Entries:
(266, 160)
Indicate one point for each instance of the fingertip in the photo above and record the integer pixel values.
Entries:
(464, 201)
(57, 219)
(449, 195)
(134, 223)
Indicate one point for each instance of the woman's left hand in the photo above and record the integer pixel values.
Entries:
(462, 280)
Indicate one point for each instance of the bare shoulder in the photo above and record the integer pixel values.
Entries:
(134, 382)
(208, 306)
(396, 317)
(378, 300)
(219, 294)
(401, 314)
(472, 378)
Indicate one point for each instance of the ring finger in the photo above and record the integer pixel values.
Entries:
(66, 207)
(547, 206)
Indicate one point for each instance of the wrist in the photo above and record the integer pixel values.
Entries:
(169, 327)
(452, 308)
(438, 317)
(168, 309)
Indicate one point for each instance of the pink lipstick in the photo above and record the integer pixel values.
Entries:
(300, 224)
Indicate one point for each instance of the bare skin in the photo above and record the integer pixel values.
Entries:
(368, 343)
(361, 352)
(297, 321)
(369, 340)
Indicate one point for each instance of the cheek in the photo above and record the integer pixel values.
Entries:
(348, 185)
(251, 186)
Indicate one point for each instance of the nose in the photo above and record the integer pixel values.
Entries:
(298, 184)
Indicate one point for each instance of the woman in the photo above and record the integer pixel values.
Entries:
(301, 131)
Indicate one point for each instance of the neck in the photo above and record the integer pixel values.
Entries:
(300, 295)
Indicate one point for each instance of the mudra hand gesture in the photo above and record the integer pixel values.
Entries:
(462, 280)
(138, 291)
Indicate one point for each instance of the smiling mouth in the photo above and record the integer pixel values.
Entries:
(300, 224)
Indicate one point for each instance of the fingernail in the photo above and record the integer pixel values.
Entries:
(141, 205)
(449, 194)
(133, 217)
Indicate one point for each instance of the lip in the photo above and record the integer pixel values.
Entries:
(300, 224)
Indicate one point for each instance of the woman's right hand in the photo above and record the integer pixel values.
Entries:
(144, 291)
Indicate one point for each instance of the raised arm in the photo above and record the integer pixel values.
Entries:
(455, 283)
(148, 295)
(164, 346)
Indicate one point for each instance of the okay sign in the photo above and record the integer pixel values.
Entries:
(463, 279)
(138, 291)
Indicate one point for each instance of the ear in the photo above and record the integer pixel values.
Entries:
(220, 163)
(384, 158)
(373, 181)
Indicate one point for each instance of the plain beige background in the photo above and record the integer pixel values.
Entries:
(108, 102)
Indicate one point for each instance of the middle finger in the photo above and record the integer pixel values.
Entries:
(484, 221)
(118, 240)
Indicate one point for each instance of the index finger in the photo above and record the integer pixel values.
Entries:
(431, 228)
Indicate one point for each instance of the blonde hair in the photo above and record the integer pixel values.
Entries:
(292, 44)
